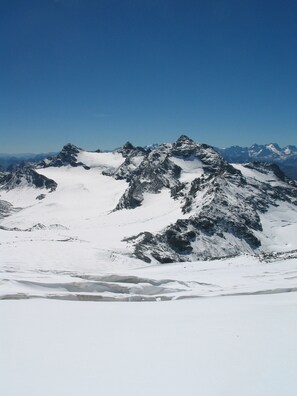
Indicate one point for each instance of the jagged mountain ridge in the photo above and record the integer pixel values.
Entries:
(160, 168)
(264, 152)
(220, 204)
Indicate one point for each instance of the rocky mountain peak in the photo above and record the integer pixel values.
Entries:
(126, 149)
(184, 147)
(212, 161)
(128, 146)
(184, 140)
(70, 149)
(67, 156)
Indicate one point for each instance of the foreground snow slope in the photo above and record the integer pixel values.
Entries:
(212, 347)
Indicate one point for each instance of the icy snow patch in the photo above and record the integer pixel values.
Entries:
(192, 168)
(279, 235)
(100, 160)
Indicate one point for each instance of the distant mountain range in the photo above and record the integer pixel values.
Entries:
(9, 162)
(266, 152)
(285, 157)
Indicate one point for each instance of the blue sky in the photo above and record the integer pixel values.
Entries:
(100, 72)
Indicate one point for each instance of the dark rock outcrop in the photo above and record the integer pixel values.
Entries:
(5, 208)
(67, 156)
(26, 177)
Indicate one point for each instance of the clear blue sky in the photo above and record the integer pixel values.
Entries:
(100, 72)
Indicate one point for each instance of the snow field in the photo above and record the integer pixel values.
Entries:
(191, 169)
(102, 160)
(212, 347)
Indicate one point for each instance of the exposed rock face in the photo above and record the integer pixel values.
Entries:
(67, 156)
(26, 177)
(223, 205)
(5, 208)
(213, 163)
(129, 149)
(150, 171)
(153, 173)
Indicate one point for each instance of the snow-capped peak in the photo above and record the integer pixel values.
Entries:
(274, 147)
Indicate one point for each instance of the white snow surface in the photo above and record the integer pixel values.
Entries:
(279, 228)
(212, 347)
(103, 160)
(192, 168)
